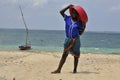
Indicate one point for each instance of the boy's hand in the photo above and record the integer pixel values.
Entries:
(71, 5)
(70, 46)
(65, 50)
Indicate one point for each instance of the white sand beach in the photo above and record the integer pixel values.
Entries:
(28, 65)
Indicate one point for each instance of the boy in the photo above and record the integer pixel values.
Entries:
(74, 28)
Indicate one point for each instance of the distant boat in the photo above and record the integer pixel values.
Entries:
(26, 46)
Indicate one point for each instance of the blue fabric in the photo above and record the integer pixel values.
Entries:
(75, 50)
(72, 30)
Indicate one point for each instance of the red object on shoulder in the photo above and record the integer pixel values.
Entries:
(82, 14)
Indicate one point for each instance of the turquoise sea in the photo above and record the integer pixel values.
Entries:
(52, 40)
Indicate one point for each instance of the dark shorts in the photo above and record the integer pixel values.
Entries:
(75, 50)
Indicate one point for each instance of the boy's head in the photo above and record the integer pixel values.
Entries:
(82, 16)
(74, 15)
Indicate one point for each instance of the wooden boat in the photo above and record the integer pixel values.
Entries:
(26, 46)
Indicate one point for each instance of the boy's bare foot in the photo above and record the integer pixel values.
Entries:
(55, 72)
(74, 71)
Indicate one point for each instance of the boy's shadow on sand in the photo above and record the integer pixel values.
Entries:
(86, 72)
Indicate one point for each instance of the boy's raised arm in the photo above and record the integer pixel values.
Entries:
(62, 12)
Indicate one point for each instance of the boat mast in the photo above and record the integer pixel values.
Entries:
(27, 36)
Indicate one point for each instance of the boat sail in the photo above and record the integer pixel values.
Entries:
(27, 45)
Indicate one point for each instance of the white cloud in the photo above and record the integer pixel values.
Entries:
(115, 8)
(8, 1)
(38, 2)
(32, 2)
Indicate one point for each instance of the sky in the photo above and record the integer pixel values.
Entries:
(103, 15)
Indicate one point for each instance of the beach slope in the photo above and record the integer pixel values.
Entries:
(28, 65)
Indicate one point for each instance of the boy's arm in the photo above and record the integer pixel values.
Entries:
(62, 12)
(71, 45)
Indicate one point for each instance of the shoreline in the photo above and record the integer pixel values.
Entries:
(40, 51)
(28, 65)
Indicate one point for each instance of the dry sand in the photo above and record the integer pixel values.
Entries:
(27, 65)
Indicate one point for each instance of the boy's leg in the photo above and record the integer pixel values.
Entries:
(75, 64)
(62, 61)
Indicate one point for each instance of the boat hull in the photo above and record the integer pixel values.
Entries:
(24, 47)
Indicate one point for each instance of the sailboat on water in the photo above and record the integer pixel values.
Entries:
(27, 46)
